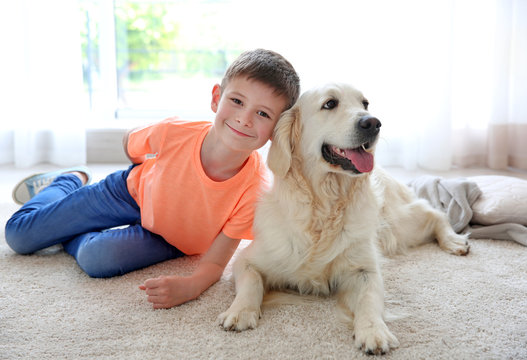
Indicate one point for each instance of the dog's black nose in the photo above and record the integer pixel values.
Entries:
(370, 124)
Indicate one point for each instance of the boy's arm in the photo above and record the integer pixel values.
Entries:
(168, 291)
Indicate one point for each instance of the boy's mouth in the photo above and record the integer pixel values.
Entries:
(237, 132)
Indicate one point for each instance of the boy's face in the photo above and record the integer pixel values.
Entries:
(246, 113)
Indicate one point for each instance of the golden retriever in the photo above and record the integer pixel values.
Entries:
(328, 216)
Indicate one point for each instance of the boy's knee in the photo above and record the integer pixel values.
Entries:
(98, 260)
(17, 239)
(17, 244)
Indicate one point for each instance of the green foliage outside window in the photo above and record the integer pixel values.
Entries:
(146, 39)
(149, 44)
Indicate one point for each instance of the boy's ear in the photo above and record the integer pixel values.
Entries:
(283, 142)
(216, 96)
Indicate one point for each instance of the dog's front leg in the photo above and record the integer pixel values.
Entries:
(363, 294)
(244, 311)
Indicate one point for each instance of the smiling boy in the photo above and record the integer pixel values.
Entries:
(191, 189)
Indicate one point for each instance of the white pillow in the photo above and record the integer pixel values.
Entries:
(503, 200)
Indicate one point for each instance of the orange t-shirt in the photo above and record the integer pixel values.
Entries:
(177, 199)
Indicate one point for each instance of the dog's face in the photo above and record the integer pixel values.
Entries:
(330, 125)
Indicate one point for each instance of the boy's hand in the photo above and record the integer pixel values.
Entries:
(167, 291)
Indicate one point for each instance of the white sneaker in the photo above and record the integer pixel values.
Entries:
(27, 188)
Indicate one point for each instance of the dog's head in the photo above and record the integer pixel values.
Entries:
(330, 125)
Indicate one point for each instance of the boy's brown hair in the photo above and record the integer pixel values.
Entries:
(269, 68)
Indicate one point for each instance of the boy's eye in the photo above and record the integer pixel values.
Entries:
(236, 101)
(263, 113)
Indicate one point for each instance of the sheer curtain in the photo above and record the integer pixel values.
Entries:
(447, 78)
(490, 122)
(42, 114)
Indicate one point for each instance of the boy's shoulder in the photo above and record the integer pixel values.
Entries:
(177, 122)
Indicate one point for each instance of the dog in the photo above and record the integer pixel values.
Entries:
(329, 217)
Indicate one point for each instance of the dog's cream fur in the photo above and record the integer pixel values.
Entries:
(320, 229)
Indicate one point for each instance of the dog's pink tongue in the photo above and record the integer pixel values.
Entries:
(362, 160)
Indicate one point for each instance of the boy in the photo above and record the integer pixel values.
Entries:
(191, 189)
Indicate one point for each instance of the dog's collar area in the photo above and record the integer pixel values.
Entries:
(356, 160)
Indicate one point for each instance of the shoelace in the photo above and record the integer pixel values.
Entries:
(37, 185)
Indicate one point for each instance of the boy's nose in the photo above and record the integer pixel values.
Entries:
(244, 118)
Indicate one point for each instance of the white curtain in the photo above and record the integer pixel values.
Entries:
(42, 113)
(490, 118)
(447, 78)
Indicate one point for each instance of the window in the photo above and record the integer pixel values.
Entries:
(151, 59)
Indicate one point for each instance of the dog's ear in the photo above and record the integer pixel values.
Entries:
(283, 142)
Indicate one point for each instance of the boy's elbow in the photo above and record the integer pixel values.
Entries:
(133, 159)
(125, 146)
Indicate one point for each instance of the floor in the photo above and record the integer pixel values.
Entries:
(9, 175)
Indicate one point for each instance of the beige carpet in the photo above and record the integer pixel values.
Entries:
(471, 307)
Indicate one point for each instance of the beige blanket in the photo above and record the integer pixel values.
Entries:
(456, 197)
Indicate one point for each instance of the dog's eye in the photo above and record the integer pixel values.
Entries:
(330, 104)
(365, 103)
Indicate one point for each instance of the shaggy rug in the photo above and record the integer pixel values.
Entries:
(471, 307)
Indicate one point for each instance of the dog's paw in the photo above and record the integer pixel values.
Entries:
(239, 320)
(375, 339)
(457, 245)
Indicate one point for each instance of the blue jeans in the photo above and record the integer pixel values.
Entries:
(81, 218)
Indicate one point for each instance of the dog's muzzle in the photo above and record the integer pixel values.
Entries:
(356, 159)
